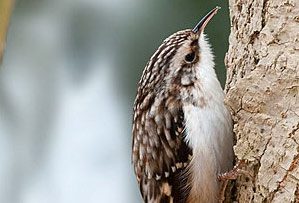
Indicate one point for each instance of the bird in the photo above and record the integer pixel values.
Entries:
(182, 136)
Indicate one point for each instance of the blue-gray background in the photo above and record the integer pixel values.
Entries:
(67, 86)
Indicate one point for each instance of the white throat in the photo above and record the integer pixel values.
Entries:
(208, 130)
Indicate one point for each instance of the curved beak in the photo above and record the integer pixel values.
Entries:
(205, 20)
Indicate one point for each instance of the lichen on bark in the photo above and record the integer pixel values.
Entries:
(262, 92)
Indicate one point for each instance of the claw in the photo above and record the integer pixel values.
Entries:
(231, 175)
(235, 172)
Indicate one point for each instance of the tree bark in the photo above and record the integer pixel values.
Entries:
(5, 12)
(262, 92)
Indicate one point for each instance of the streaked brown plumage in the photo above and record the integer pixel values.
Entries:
(163, 148)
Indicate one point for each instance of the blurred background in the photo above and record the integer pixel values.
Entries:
(67, 85)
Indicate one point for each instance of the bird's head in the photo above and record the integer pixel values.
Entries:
(190, 44)
(178, 55)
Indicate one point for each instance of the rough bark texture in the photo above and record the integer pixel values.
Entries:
(262, 92)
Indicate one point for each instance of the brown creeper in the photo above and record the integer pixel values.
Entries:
(182, 131)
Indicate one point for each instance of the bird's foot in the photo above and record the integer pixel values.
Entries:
(235, 172)
(231, 175)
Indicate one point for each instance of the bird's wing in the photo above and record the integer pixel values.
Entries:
(160, 154)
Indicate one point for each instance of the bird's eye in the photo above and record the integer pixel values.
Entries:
(189, 58)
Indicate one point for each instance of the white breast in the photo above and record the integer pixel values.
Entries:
(208, 131)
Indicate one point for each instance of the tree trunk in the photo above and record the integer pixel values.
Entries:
(262, 93)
